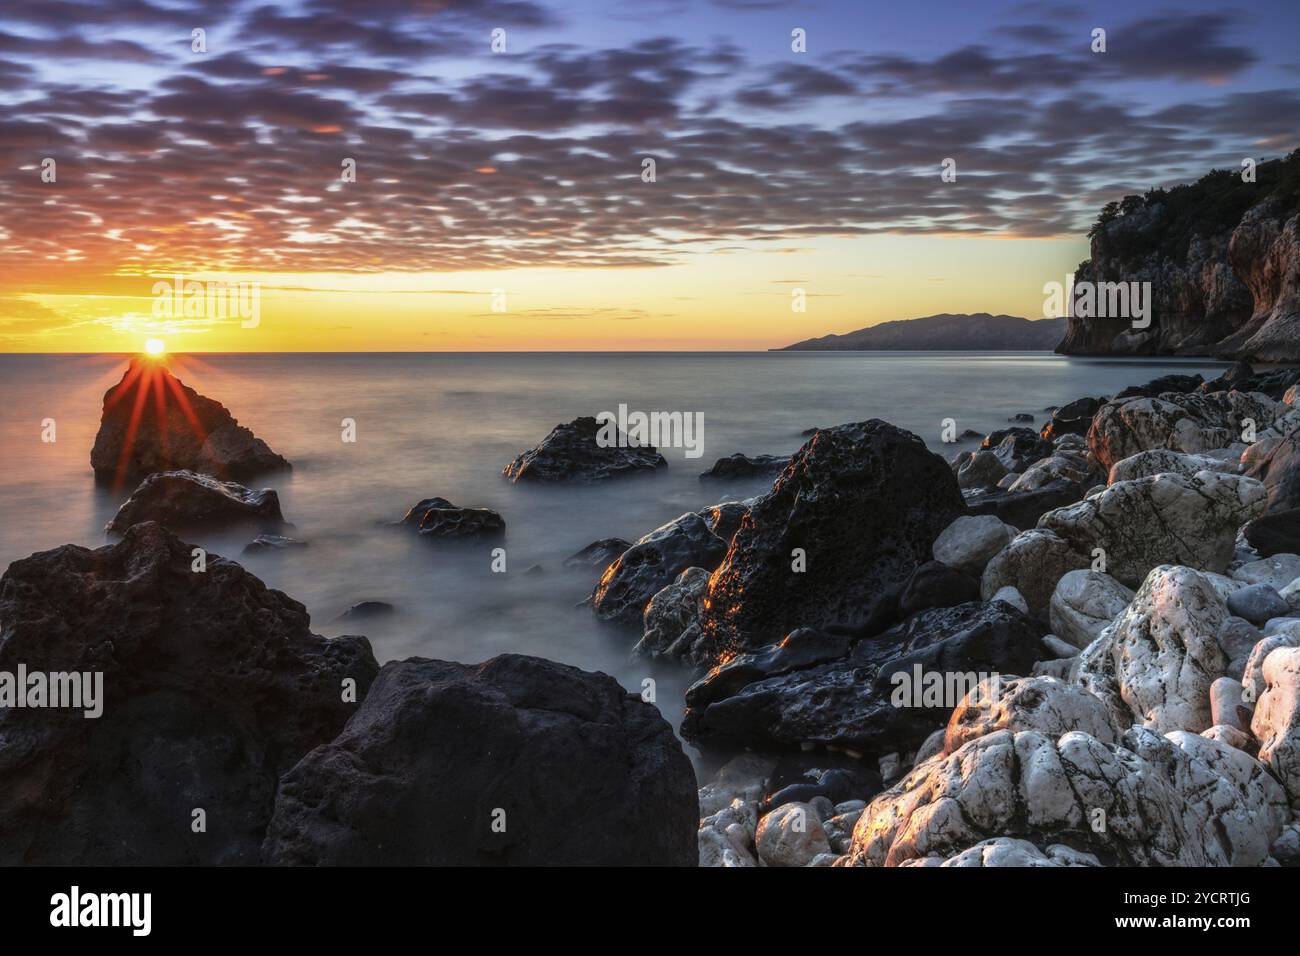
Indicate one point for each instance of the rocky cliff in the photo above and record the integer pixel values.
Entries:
(1223, 259)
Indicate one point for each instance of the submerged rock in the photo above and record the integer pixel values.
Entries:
(184, 501)
(516, 761)
(571, 453)
(745, 466)
(599, 554)
(859, 507)
(154, 422)
(438, 518)
(264, 543)
(213, 687)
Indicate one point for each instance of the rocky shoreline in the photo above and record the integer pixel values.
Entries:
(1072, 646)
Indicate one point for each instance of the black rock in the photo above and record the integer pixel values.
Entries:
(744, 466)
(934, 584)
(850, 702)
(652, 564)
(599, 554)
(571, 452)
(184, 501)
(1258, 603)
(154, 422)
(515, 761)
(995, 438)
(1165, 383)
(264, 543)
(847, 781)
(367, 611)
(1277, 533)
(1022, 509)
(1073, 418)
(1020, 449)
(213, 687)
(724, 519)
(439, 519)
(863, 503)
(1021, 417)
(1280, 473)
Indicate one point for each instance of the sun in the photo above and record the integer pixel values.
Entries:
(155, 347)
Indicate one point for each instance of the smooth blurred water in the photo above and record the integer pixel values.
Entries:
(445, 424)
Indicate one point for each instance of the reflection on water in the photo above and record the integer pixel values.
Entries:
(445, 425)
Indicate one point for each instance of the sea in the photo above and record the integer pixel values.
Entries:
(445, 424)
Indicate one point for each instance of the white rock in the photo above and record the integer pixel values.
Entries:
(969, 542)
(1043, 704)
(1277, 718)
(1277, 572)
(1230, 736)
(1252, 679)
(1032, 564)
(791, 835)
(1163, 519)
(1156, 663)
(1084, 604)
(726, 838)
(1009, 595)
(1007, 851)
(1226, 704)
(1162, 460)
(743, 777)
(1058, 648)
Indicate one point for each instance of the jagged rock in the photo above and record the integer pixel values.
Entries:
(1277, 533)
(1161, 460)
(1073, 418)
(1020, 448)
(1062, 465)
(1163, 519)
(863, 504)
(1182, 423)
(672, 626)
(1258, 603)
(1084, 604)
(971, 541)
(739, 466)
(439, 519)
(599, 554)
(1004, 851)
(213, 687)
(1276, 722)
(1164, 383)
(934, 584)
(1177, 801)
(264, 543)
(724, 519)
(1156, 663)
(580, 772)
(1043, 704)
(154, 422)
(982, 470)
(869, 698)
(1009, 595)
(183, 501)
(1032, 564)
(571, 453)
(650, 565)
(791, 835)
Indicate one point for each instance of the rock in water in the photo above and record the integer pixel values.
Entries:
(842, 528)
(154, 422)
(746, 466)
(213, 687)
(184, 501)
(514, 761)
(599, 554)
(650, 565)
(571, 452)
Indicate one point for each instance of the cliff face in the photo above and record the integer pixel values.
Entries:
(1223, 260)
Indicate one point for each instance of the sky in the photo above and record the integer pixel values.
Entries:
(501, 199)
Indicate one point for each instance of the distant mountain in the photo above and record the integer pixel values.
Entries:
(943, 333)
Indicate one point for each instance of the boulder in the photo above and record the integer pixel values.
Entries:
(1045, 705)
(726, 837)
(1073, 418)
(1177, 801)
(672, 626)
(653, 563)
(869, 695)
(791, 835)
(571, 452)
(1161, 460)
(1162, 519)
(740, 466)
(971, 541)
(1022, 509)
(517, 761)
(1277, 571)
(1258, 603)
(1062, 465)
(1276, 533)
(1154, 665)
(982, 470)
(1191, 423)
(183, 501)
(1084, 604)
(1020, 448)
(154, 422)
(934, 584)
(1032, 563)
(1276, 721)
(213, 686)
(859, 507)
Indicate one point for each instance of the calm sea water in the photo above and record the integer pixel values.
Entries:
(446, 424)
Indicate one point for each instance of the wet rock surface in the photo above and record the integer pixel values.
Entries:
(571, 453)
